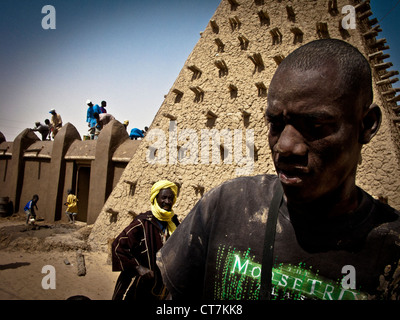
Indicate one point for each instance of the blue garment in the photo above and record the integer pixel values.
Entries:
(90, 112)
(28, 206)
(136, 133)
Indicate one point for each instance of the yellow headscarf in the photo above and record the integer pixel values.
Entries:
(159, 213)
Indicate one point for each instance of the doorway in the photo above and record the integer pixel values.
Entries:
(83, 183)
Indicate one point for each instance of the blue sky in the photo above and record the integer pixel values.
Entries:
(388, 12)
(126, 52)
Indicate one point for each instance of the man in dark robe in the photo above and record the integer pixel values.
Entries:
(134, 250)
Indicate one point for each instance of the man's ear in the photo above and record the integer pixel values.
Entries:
(371, 123)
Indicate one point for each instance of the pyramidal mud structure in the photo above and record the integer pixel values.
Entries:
(211, 128)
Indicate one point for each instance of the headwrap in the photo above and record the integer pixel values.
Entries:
(158, 212)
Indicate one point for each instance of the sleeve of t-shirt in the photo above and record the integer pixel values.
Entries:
(182, 259)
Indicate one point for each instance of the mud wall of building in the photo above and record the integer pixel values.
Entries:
(35, 182)
(29, 166)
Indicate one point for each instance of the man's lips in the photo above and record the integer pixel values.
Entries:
(289, 180)
(292, 175)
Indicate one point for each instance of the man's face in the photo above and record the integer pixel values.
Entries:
(313, 133)
(165, 199)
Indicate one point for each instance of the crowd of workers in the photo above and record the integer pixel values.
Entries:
(97, 118)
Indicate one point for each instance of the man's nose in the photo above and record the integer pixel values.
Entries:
(291, 142)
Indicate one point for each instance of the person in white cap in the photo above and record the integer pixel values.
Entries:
(56, 122)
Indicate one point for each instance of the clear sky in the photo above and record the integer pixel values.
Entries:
(126, 52)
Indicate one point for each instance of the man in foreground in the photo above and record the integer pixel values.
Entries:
(333, 241)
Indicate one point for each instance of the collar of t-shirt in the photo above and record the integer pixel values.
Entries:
(345, 231)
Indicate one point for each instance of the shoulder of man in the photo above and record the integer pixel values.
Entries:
(136, 221)
(233, 194)
(243, 184)
(388, 216)
(143, 216)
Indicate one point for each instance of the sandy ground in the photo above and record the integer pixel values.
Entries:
(25, 250)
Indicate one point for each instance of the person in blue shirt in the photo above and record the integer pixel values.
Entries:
(136, 133)
(30, 209)
(90, 119)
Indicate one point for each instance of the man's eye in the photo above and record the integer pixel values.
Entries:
(276, 125)
(317, 130)
(316, 126)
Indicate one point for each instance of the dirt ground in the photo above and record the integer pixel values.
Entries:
(27, 251)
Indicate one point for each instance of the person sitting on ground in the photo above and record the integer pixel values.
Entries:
(134, 249)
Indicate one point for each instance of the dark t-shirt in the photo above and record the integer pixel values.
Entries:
(216, 252)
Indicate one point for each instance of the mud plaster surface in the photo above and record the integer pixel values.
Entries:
(24, 251)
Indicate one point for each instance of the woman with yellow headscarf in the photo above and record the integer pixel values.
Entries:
(134, 250)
